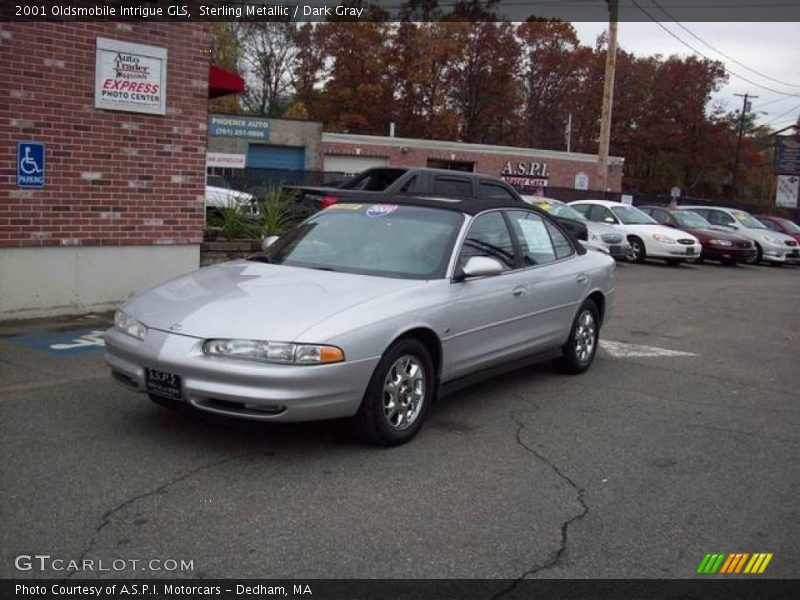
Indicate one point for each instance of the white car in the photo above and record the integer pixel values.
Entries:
(771, 246)
(218, 195)
(647, 238)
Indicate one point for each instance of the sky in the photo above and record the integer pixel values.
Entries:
(771, 49)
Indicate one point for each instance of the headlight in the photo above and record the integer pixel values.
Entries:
(274, 352)
(720, 243)
(664, 239)
(127, 324)
(772, 240)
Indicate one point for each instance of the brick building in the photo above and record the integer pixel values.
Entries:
(121, 110)
(527, 169)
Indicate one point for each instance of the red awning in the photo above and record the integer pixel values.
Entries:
(222, 82)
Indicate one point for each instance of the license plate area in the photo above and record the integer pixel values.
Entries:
(163, 383)
(690, 251)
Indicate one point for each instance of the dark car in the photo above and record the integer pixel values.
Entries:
(718, 244)
(373, 184)
(780, 225)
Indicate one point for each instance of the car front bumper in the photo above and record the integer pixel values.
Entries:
(779, 254)
(728, 253)
(240, 388)
(656, 249)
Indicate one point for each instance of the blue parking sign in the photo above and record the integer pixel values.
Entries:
(30, 164)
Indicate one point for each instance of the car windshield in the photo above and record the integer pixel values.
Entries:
(632, 216)
(747, 220)
(385, 240)
(690, 220)
(563, 211)
(789, 226)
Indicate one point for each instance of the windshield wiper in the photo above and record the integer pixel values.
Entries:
(323, 268)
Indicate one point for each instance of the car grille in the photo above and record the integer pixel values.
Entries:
(743, 245)
(686, 242)
(792, 244)
(611, 238)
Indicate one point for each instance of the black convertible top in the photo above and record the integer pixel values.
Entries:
(465, 204)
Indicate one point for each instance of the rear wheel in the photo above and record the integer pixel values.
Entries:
(398, 396)
(638, 251)
(581, 347)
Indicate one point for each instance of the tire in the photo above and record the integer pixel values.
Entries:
(638, 250)
(395, 381)
(581, 347)
(757, 258)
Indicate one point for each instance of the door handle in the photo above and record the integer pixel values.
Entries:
(582, 278)
(518, 291)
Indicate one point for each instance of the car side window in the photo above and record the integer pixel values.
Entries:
(561, 244)
(488, 236)
(582, 208)
(770, 225)
(409, 185)
(717, 217)
(660, 216)
(536, 238)
(452, 186)
(492, 191)
(599, 214)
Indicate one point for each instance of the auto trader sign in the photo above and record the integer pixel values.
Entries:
(130, 77)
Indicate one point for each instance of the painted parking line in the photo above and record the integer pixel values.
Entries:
(62, 343)
(623, 350)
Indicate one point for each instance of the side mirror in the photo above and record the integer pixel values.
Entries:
(268, 241)
(480, 266)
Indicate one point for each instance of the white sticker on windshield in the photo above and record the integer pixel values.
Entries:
(381, 210)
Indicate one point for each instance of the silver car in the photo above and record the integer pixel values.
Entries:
(367, 311)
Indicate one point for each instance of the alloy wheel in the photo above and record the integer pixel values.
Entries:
(585, 336)
(404, 392)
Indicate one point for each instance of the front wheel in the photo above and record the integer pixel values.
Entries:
(638, 252)
(754, 260)
(581, 347)
(399, 395)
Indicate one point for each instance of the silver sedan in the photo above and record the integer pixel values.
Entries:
(368, 311)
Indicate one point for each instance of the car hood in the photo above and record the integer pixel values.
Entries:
(717, 234)
(760, 235)
(251, 300)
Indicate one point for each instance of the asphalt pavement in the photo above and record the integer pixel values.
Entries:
(681, 440)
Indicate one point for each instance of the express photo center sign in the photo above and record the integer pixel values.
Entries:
(130, 77)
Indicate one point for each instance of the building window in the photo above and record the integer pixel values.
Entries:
(451, 165)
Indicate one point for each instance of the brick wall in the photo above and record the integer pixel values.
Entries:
(113, 178)
(562, 171)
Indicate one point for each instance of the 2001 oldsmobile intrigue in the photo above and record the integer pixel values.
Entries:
(367, 311)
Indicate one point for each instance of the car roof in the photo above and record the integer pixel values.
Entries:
(607, 203)
(463, 204)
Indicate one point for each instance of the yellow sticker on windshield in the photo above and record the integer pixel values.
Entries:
(345, 206)
(740, 216)
(545, 206)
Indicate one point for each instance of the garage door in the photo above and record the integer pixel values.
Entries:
(352, 164)
(264, 156)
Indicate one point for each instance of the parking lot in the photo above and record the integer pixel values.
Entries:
(681, 440)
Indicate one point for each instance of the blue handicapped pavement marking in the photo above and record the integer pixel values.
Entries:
(63, 343)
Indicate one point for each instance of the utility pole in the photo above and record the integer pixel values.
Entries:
(745, 109)
(569, 133)
(608, 95)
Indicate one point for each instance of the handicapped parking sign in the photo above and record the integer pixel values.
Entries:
(30, 164)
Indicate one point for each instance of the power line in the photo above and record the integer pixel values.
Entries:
(696, 51)
(720, 52)
(780, 116)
